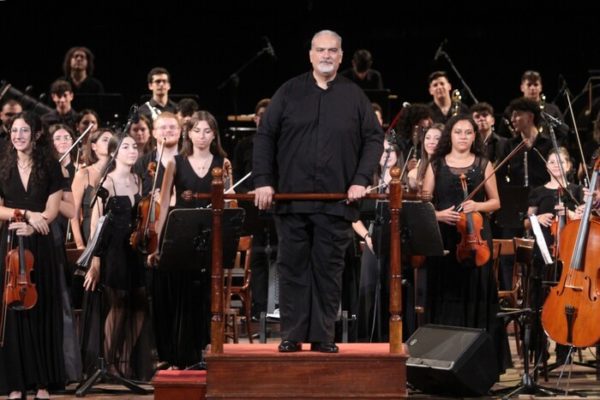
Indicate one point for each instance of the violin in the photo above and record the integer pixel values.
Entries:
(471, 246)
(571, 310)
(19, 292)
(145, 238)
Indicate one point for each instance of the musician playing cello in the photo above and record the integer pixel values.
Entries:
(31, 181)
(459, 292)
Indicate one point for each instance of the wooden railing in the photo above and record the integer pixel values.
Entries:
(218, 198)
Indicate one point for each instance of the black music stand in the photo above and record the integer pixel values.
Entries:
(515, 201)
(419, 230)
(420, 235)
(186, 243)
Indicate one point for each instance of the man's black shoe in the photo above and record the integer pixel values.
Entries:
(324, 347)
(289, 346)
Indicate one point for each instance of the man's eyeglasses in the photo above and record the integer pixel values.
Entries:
(157, 81)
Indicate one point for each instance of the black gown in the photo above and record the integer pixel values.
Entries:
(127, 348)
(32, 356)
(181, 299)
(460, 294)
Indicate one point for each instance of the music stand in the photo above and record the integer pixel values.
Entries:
(420, 235)
(515, 201)
(186, 243)
(419, 230)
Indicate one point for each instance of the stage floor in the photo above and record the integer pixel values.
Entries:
(583, 381)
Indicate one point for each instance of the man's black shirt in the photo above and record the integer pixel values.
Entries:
(312, 140)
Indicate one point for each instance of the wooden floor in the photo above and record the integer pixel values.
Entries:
(582, 381)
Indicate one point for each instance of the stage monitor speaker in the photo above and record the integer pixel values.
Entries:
(452, 361)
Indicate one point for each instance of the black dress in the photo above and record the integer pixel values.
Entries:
(460, 294)
(181, 299)
(125, 309)
(32, 356)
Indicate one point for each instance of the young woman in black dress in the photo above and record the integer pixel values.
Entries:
(31, 182)
(459, 293)
(186, 305)
(119, 269)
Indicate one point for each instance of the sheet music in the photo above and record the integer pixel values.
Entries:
(84, 260)
(539, 238)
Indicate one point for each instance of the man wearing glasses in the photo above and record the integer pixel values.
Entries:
(159, 83)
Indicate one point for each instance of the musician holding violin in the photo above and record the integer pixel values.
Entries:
(118, 272)
(31, 356)
(461, 286)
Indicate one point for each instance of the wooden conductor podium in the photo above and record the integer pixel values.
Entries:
(259, 371)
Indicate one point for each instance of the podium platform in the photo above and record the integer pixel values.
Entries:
(258, 371)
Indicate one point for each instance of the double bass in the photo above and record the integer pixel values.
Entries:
(571, 310)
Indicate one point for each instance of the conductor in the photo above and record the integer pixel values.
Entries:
(318, 135)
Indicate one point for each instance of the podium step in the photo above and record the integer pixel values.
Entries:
(179, 385)
(259, 371)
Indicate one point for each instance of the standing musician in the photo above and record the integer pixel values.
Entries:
(182, 298)
(31, 182)
(60, 139)
(166, 131)
(85, 181)
(551, 203)
(159, 83)
(120, 272)
(373, 293)
(495, 145)
(531, 88)
(442, 104)
(460, 293)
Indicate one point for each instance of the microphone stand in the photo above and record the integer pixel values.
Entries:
(234, 78)
(467, 88)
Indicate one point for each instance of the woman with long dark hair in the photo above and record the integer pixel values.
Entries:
(458, 292)
(31, 183)
(119, 269)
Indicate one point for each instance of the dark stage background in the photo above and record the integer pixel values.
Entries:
(203, 43)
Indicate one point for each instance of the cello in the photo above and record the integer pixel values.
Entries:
(572, 307)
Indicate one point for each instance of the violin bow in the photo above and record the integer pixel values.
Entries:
(562, 186)
(500, 164)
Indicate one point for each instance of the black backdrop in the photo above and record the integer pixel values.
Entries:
(202, 43)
